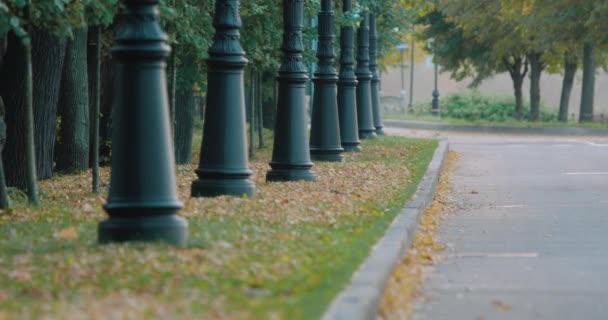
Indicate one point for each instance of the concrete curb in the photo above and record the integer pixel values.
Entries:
(424, 125)
(360, 300)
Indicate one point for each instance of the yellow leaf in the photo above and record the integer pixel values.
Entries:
(67, 234)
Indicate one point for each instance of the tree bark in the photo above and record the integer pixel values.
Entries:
(73, 149)
(517, 76)
(12, 88)
(570, 67)
(184, 124)
(108, 75)
(588, 91)
(48, 55)
(94, 76)
(536, 71)
(4, 201)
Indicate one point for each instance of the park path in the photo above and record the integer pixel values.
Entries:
(529, 237)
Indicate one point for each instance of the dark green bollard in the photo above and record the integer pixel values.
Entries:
(347, 88)
(364, 78)
(143, 202)
(325, 127)
(435, 104)
(224, 168)
(373, 66)
(290, 154)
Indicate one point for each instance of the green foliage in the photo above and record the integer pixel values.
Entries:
(473, 105)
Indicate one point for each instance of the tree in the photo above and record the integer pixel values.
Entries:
(73, 141)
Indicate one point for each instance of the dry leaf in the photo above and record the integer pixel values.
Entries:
(67, 234)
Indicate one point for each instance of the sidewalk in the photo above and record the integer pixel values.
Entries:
(530, 240)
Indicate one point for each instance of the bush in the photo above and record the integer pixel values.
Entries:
(473, 105)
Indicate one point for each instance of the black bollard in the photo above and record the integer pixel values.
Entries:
(347, 87)
(290, 154)
(373, 66)
(325, 127)
(364, 78)
(224, 167)
(143, 202)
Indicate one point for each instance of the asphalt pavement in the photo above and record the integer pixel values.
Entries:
(529, 236)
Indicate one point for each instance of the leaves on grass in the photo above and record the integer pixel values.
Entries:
(281, 254)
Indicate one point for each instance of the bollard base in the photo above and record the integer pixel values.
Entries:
(290, 174)
(367, 134)
(170, 229)
(351, 146)
(329, 155)
(219, 187)
(380, 131)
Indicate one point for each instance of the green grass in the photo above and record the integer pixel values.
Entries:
(507, 123)
(284, 254)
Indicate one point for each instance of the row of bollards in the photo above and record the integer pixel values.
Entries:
(143, 202)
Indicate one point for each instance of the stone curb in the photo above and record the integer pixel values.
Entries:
(360, 299)
(424, 125)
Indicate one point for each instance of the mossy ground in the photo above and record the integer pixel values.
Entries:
(281, 255)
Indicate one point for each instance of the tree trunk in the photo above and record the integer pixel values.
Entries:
(12, 88)
(48, 55)
(94, 75)
(172, 89)
(260, 111)
(570, 66)
(517, 76)
(588, 91)
(251, 112)
(4, 202)
(108, 75)
(73, 152)
(536, 70)
(269, 103)
(184, 124)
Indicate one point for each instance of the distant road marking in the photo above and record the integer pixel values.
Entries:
(585, 173)
(591, 143)
(496, 255)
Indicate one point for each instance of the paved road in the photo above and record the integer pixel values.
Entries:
(530, 237)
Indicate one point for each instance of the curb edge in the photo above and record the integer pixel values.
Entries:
(361, 298)
(424, 125)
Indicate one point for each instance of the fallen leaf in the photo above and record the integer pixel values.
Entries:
(67, 234)
(501, 305)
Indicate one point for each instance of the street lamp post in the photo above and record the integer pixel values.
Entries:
(142, 203)
(410, 106)
(223, 167)
(325, 128)
(364, 78)
(347, 86)
(373, 66)
(291, 154)
(402, 47)
(435, 105)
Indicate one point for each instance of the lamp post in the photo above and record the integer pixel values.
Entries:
(224, 168)
(402, 47)
(325, 128)
(435, 105)
(364, 78)
(290, 153)
(347, 86)
(143, 202)
(410, 106)
(373, 66)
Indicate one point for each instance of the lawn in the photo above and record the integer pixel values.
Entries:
(506, 123)
(281, 255)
